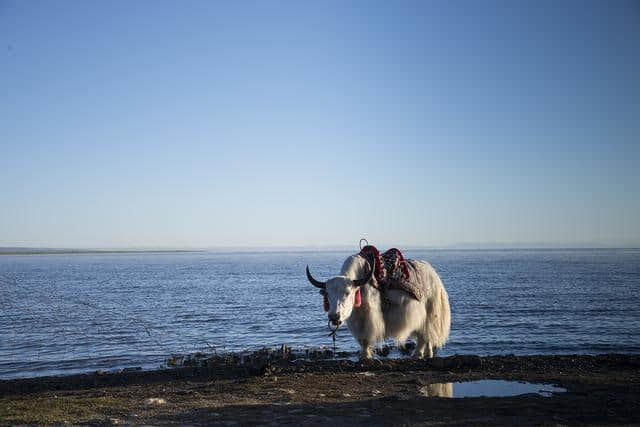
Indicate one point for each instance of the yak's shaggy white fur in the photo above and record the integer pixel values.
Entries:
(393, 315)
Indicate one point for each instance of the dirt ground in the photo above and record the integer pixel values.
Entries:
(602, 389)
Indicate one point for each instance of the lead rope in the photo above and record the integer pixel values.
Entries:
(332, 334)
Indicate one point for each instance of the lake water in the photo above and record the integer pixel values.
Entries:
(62, 314)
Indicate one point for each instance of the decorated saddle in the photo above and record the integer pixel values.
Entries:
(392, 271)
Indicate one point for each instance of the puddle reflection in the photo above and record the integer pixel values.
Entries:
(437, 390)
(488, 388)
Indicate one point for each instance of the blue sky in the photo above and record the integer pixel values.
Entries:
(202, 124)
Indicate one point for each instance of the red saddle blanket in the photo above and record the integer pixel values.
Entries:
(392, 271)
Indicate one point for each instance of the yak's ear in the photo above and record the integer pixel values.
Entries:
(322, 292)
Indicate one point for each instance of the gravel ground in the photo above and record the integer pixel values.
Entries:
(274, 389)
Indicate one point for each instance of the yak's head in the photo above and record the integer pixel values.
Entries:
(341, 294)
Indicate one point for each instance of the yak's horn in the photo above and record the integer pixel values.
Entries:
(315, 282)
(360, 282)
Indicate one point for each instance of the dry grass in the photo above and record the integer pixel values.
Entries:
(57, 410)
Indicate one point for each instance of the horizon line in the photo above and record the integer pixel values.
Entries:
(266, 248)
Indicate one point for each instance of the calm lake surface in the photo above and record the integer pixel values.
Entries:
(62, 314)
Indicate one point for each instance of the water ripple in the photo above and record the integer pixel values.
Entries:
(74, 313)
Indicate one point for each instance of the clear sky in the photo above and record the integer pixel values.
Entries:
(202, 124)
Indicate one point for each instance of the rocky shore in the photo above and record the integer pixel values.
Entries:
(281, 387)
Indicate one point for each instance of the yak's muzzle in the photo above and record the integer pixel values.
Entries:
(334, 319)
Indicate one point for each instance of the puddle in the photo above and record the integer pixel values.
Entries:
(488, 388)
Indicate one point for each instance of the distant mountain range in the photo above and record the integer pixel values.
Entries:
(44, 251)
(18, 250)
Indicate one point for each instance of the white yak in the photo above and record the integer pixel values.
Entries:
(392, 314)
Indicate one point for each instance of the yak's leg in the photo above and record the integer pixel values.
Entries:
(422, 346)
(366, 351)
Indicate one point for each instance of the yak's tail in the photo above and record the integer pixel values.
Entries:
(438, 315)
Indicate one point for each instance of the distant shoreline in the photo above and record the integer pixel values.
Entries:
(52, 251)
(97, 252)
